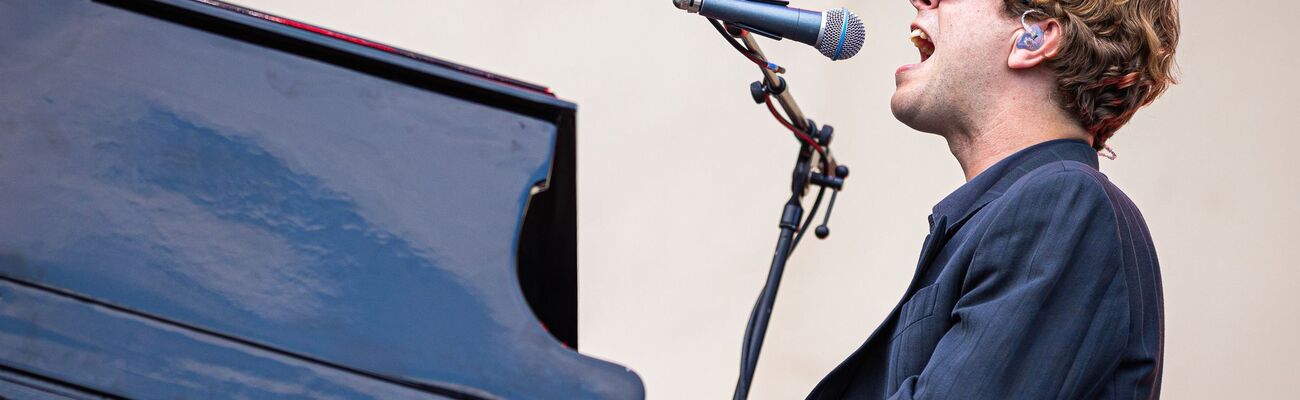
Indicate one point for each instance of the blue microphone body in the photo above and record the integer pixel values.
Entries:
(802, 26)
(837, 34)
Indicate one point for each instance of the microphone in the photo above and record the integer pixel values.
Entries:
(837, 34)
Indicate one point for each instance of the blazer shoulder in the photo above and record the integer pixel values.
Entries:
(1072, 181)
(1063, 205)
(1059, 199)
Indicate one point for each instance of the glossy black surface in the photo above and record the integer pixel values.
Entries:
(186, 215)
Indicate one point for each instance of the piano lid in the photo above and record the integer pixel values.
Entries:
(195, 201)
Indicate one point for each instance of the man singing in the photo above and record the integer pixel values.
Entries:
(1039, 279)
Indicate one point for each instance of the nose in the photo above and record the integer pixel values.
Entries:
(924, 4)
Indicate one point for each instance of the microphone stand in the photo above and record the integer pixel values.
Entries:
(814, 165)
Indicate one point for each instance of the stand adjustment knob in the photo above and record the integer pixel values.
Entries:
(822, 232)
(825, 135)
(759, 91)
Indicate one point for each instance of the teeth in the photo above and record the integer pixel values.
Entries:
(919, 38)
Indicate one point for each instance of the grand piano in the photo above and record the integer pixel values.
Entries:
(202, 201)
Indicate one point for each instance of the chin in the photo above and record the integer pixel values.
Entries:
(920, 113)
(906, 110)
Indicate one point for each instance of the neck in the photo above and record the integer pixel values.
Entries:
(1008, 130)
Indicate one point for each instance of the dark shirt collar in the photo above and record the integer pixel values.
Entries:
(991, 183)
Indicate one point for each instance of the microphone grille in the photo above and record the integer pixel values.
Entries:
(842, 34)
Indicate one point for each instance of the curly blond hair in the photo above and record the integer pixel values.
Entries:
(1116, 56)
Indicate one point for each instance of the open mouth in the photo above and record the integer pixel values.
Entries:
(921, 40)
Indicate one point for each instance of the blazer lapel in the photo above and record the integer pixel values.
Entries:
(834, 383)
(933, 244)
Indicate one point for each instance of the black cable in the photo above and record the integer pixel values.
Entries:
(745, 52)
(745, 349)
(808, 222)
(752, 336)
(748, 351)
(730, 40)
(754, 312)
(802, 229)
(798, 134)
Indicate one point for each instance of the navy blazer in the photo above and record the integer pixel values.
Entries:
(1038, 281)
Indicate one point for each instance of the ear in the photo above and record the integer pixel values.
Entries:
(1049, 44)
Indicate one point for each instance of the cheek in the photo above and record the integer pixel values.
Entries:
(973, 39)
(973, 54)
(976, 37)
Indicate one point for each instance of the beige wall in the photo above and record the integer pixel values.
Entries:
(682, 179)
